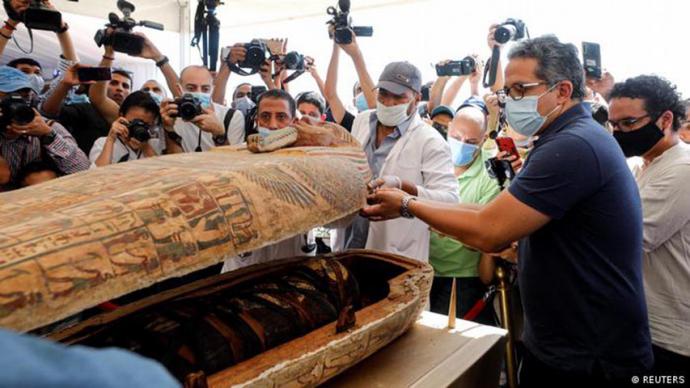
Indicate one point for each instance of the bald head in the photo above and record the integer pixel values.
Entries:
(469, 125)
(196, 79)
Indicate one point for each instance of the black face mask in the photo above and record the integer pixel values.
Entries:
(637, 143)
(442, 129)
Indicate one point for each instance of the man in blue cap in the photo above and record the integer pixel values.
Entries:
(25, 136)
(441, 117)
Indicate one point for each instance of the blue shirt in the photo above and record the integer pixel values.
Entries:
(356, 234)
(581, 274)
(35, 362)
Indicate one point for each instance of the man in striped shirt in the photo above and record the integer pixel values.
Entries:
(21, 144)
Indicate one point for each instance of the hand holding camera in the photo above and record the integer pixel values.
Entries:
(35, 14)
(463, 67)
(119, 130)
(36, 127)
(118, 32)
(208, 122)
(168, 114)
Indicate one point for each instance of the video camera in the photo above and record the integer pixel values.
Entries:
(453, 68)
(343, 23)
(37, 16)
(15, 109)
(511, 29)
(121, 38)
(139, 130)
(255, 57)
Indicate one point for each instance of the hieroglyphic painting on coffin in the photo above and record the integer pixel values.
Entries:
(72, 243)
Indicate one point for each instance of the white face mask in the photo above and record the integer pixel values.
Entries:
(392, 116)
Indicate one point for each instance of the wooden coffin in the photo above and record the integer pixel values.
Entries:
(71, 245)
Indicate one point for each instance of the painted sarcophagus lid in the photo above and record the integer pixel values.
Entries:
(72, 244)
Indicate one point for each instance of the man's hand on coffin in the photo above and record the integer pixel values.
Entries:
(37, 127)
(384, 204)
(208, 122)
(323, 134)
(168, 114)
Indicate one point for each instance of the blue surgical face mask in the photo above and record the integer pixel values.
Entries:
(361, 103)
(204, 99)
(462, 153)
(523, 116)
(156, 97)
(74, 98)
(243, 104)
(37, 83)
(263, 131)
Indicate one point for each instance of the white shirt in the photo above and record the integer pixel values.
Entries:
(419, 156)
(190, 132)
(120, 150)
(665, 192)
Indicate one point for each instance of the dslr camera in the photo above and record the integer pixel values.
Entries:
(139, 130)
(37, 16)
(454, 68)
(255, 57)
(188, 107)
(294, 61)
(15, 109)
(511, 29)
(343, 23)
(121, 38)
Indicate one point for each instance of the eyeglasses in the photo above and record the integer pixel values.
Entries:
(627, 124)
(517, 91)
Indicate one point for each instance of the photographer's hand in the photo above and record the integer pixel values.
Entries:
(149, 50)
(266, 73)
(168, 114)
(119, 129)
(476, 76)
(208, 122)
(237, 53)
(491, 101)
(515, 161)
(37, 127)
(365, 81)
(491, 41)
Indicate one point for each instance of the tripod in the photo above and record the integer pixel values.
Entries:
(207, 28)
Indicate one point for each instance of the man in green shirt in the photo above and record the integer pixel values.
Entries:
(450, 258)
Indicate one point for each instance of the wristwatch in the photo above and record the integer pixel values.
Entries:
(48, 138)
(163, 61)
(405, 208)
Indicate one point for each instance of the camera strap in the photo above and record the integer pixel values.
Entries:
(236, 69)
(31, 39)
(293, 76)
(492, 67)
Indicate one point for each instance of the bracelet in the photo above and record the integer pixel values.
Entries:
(9, 26)
(108, 58)
(405, 207)
(63, 29)
(6, 36)
(162, 62)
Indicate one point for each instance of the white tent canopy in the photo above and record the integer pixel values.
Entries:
(635, 38)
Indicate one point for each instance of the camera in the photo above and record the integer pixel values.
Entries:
(294, 61)
(121, 38)
(139, 130)
(453, 68)
(343, 23)
(254, 58)
(16, 110)
(37, 16)
(511, 29)
(188, 107)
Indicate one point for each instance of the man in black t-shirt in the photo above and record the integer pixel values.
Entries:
(575, 209)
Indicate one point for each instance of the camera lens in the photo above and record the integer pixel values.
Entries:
(255, 56)
(139, 130)
(293, 61)
(505, 33)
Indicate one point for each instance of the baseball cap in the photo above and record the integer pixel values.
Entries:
(399, 77)
(442, 109)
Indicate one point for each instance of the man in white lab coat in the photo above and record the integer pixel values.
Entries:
(402, 151)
